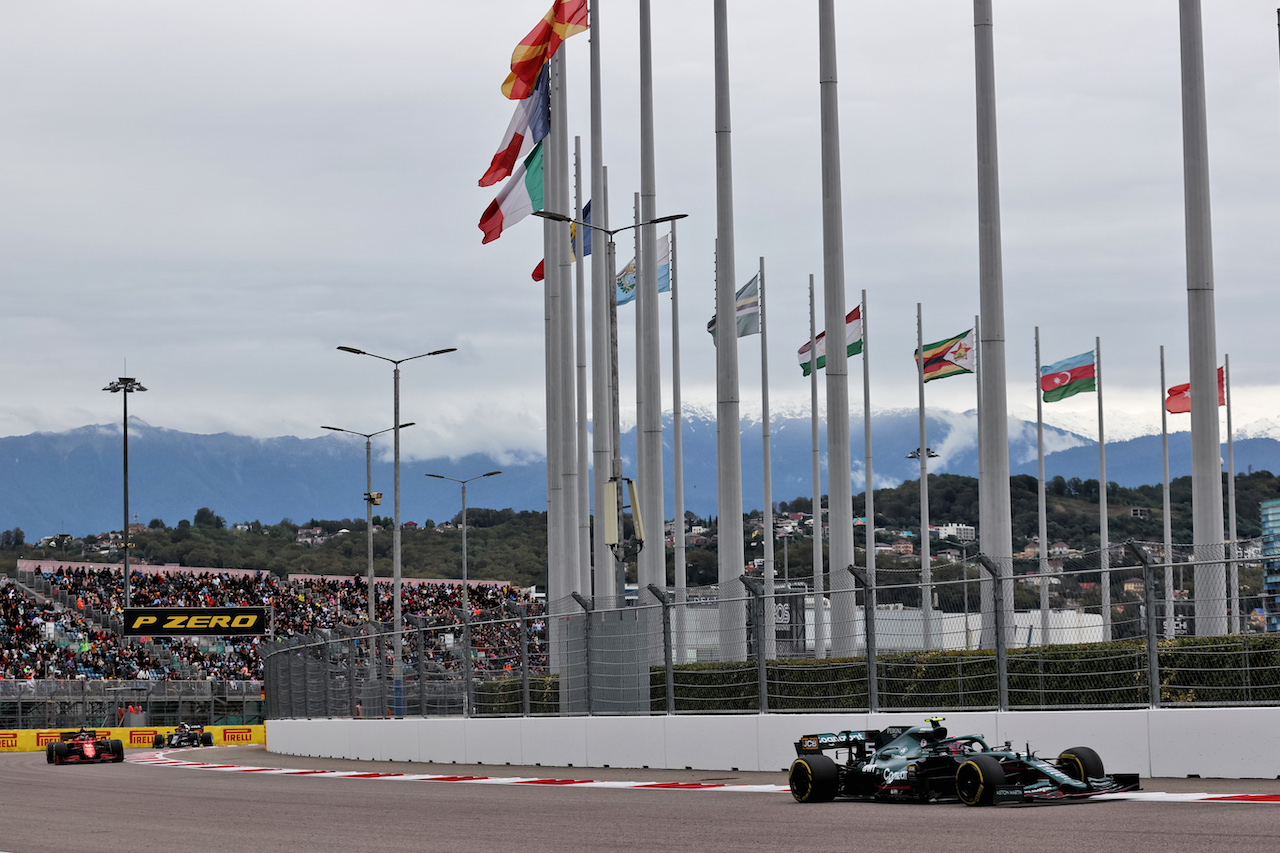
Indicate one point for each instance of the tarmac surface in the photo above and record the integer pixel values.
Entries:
(176, 809)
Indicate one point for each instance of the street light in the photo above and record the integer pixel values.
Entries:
(466, 596)
(615, 472)
(395, 536)
(371, 498)
(125, 386)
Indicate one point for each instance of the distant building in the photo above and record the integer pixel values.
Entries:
(903, 547)
(958, 532)
(1271, 563)
(1139, 512)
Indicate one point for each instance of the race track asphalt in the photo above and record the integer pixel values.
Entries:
(139, 807)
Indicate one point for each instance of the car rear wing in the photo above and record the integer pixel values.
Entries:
(73, 735)
(861, 741)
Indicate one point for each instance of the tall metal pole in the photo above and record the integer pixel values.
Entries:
(397, 640)
(819, 626)
(677, 452)
(1170, 625)
(997, 529)
(652, 561)
(602, 297)
(769, 629)
(1233, 571)
(839, 463)
(869, 509)
(582, 578)
(395, 536)
(1104, 559)
(1043, 530)
(926, 580)
(733, 638)
(466, 613)
(125, 386)
(1206, 460)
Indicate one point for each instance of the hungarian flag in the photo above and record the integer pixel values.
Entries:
(949, 357)
(1179, 400)
(528, 126)
(1068, 377)
(852, 339)
(521, 196)
(565, 18)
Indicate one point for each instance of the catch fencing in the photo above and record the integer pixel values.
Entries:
(1130, 628)
(105, 703)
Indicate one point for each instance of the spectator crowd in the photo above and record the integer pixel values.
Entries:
(69, 634)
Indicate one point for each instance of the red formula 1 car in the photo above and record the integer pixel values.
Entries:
(83, 747)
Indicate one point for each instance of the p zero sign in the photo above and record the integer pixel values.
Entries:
(195, 621)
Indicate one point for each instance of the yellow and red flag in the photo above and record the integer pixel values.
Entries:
(564, 19)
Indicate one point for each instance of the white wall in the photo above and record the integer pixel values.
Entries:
(1153, 743)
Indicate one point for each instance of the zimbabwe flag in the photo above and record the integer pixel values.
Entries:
(949, 357)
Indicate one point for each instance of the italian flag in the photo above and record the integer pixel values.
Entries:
(518, 198)
(852, 339)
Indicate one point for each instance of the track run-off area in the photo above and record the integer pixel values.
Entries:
(246, 798)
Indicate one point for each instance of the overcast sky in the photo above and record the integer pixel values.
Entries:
(211, 197)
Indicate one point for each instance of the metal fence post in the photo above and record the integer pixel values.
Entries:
(1002, 641)
(586, 648)
(1149, 624)
(669, 670)
(755, 589)
(869, 629)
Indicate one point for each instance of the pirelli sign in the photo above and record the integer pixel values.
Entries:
(195, 621)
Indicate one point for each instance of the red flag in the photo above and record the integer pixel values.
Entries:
(564, 19)
(540, 271)
(1179, 400)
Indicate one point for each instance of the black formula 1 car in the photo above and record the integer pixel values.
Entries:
(83, 747)
(184, 736)
(924, 764)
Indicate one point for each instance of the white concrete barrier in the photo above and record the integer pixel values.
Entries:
(1223, 743)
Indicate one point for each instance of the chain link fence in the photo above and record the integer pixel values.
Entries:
(103, 703)
(1132, 628)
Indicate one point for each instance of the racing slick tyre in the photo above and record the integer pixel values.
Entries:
(206, 738)
(814, 779)
(60, 751)
(117, 751)
(158, 742)
(977, 779)
(1081, 763)
(48, 752)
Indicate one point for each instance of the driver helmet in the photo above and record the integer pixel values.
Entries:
(182, 727)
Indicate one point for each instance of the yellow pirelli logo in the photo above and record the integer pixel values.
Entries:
(8, 740)
(237, 735)
(142, 737)
(47, 737)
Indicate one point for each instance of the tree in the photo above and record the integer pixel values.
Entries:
(156, 524)
(205, 518)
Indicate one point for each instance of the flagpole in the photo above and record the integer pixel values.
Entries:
(839, 481)
(1170, 625)
(582, 581)
(677, 452)
(641, 404)
(869, 508)
(926, 585)
(1206, 449)
(997, 527)
(652, 561)
(733, 640)
(1040, 496)
(566, 357)
(770, 629)
(557, 587)
(1233, 551)
(602, 296)
(986, 599)
(819, 628)
(1104, 559)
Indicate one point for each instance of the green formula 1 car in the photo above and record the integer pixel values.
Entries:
(924, 764)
